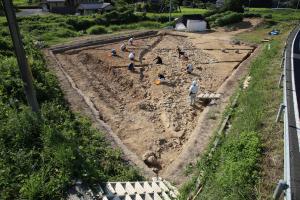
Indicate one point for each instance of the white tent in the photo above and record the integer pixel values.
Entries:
(196, 25)
(180, 27)
(193, 23)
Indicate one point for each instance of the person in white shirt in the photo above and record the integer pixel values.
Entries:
(131, 56)
(130, 41)
(193, 93)
(123, 47)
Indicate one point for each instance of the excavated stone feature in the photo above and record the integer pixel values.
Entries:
(148, 117)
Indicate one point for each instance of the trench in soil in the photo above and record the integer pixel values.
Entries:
(145, 116)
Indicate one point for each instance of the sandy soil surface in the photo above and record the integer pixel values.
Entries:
(148, 118)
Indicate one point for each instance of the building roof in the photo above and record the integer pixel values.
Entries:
(93, 6)
(53, 1)
(220, 3)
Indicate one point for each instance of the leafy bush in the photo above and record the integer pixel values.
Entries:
(160, 18)
(97, 29)
(229, 19)
(6, 47)
(80, 24)
(234, 5)
(252, 15)
(214, 17)
(268, 16)
(118, 17)
(210, 13)
(41, 154)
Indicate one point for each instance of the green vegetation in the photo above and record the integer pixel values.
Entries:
(229, 19)
(26, 2)
(280, 15)
(97, 29)
(41, 155)
(184, 11)
(234, 5)
(224, 18)
(234, 168)
(56, 29)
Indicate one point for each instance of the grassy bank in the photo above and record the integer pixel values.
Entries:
(249, 161)
(184, 11)
(43, 154)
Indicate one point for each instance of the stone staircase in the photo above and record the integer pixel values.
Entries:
(157, 189)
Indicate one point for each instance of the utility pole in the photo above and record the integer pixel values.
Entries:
(20, 54)
(170, 10)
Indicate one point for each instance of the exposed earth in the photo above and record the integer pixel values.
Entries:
(154, 121)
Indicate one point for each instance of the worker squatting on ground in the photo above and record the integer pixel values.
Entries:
(123, 47)
(189, 68)
(180, 52)
(113, 52)
(158, 60)
(193, 93)
(161, 77)
(142, 73)
(130, 41)
(131, 66)
(131, 56)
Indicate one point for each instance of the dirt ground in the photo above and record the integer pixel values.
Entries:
(149, 118)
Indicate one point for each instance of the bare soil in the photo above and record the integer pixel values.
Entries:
(145, 116)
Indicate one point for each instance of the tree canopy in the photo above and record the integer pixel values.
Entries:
(234, 5)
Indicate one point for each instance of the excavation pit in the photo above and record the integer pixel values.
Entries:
(152, 121)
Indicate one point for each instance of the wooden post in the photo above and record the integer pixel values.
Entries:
(20, 54)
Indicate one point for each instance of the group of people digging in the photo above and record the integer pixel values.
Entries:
(193, 90)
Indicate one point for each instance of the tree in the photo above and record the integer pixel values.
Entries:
(294, 3)
(234, 5)
(1, 9)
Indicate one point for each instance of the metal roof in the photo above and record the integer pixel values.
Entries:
(53, 1)
(93, 6)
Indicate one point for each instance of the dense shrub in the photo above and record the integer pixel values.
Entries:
(234, 5)
(111, 16)
(41, 154)
(6, 47)
(268, 16)
(258, 3)
(251, 15)
(160, 18)
(210, 13)
(118, 17)
(97, 29)
(229, 19)
(80, 24)
(213, 18)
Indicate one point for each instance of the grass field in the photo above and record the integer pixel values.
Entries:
(184, 11)
(249, 161)
(25, 2)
